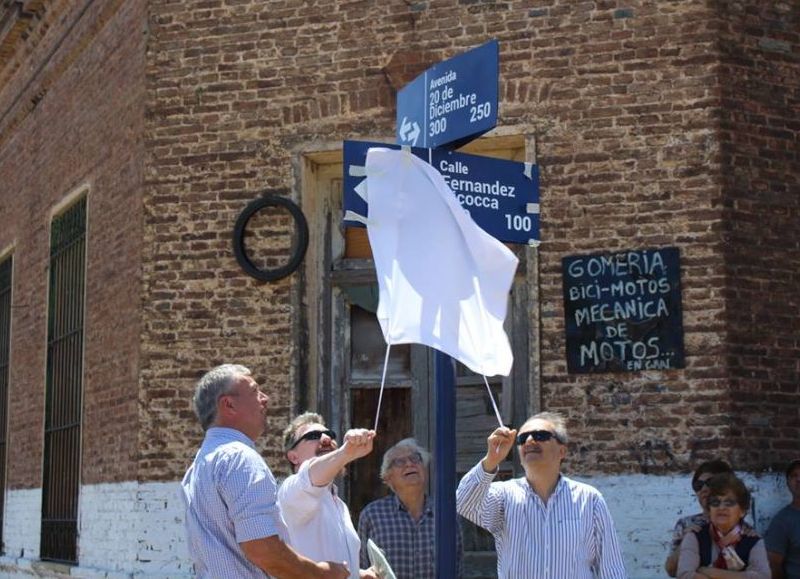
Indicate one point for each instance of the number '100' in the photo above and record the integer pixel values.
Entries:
(518, 222)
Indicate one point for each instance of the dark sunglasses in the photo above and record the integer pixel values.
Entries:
(717, 502)
(699, 485)
(313, 435)
(537, 435)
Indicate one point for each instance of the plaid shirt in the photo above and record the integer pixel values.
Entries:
(409, 545)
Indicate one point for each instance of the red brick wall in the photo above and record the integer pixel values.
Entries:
(760, 44)
(73, 114)
(622, 102)
(191, 109)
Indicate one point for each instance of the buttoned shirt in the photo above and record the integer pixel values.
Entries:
(230, 497)
(318, 521)
(409, 545)
(571, 535)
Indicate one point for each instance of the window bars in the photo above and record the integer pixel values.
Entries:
(64, 384)
(5, 350)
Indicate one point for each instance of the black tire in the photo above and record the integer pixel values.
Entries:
(301, 229)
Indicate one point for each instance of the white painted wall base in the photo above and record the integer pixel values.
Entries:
(125, 529)
(136, 530)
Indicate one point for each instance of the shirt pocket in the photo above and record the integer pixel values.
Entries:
(572, 539)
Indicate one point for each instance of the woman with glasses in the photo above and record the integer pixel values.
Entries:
(402, 523)
(721, 549)
(693, 522)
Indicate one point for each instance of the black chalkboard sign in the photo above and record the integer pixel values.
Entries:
(623, 311)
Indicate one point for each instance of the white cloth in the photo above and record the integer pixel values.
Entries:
(443, 281)
(318, 521)
(230, 497)
(571, 536)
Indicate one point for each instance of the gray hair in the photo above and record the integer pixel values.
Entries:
(557, 420)
(210, 387)
(290, 431)
(408, 444)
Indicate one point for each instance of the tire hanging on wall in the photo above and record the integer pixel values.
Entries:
(299, 248)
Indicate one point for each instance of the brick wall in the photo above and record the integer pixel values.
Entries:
(622, 102)
(73, 116)
(761, 166)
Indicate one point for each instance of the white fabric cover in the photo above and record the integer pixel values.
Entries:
(443, 281)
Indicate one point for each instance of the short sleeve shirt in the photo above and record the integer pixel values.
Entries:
(783, 538)
(230, 497)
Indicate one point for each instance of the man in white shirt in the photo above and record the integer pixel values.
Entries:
(545, 525)
(319, 521)
(232, 522)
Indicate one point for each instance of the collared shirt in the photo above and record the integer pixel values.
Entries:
(409, 545)
(318, 521)
(572, 535)
(230, 497)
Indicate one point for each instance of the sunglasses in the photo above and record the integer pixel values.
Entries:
(537, 435)
(402, 461)
(716, 503)
(313, 435)
(699, 485)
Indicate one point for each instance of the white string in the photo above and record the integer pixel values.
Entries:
(494, 404)
(383, 381)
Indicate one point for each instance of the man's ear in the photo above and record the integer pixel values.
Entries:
(563, 449)
(293, 458)
(225, 406)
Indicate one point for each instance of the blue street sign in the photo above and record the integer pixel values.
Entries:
(452, 102)
(501, 196)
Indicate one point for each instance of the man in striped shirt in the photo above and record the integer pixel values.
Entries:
(545, 525)
(233, 524)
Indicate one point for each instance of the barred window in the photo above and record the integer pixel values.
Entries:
(5, 349)
(64, 385)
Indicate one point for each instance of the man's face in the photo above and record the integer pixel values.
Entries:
(533, 454)
(793, 482)
(406, 472)
(309, 448)
(249, 404)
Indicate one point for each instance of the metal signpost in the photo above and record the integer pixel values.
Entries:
(448, 105)
(452, 102)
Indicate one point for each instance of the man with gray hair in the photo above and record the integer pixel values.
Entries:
(402, 524)
(233, 524)
(544, 524)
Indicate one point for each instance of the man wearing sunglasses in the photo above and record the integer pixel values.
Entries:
(232, 520)
(545, 525)
(317, 519)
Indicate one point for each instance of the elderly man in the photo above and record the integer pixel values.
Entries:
(783, 536)
(318, 520)
(545, 525)
(232, 518)
(402, 524)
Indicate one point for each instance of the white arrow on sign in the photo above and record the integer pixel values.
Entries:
(405, 127)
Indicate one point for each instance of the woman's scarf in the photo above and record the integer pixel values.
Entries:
(727, 558)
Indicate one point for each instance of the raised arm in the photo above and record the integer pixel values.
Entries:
(324, 469)
(476, 499)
